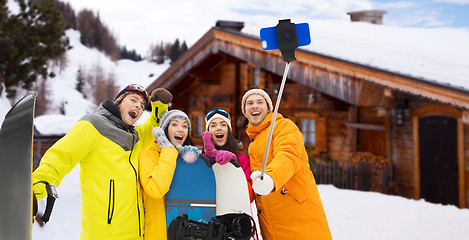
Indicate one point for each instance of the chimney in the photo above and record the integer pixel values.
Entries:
(370, 16)
(230, 25)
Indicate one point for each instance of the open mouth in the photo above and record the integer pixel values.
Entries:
(254, 114)
(133, 114)
(179, 138)
(219, 135)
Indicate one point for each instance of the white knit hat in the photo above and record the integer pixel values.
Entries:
(217, 112)
(258, 92)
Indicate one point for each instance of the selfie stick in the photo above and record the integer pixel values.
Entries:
(274, 116)
(286, 36)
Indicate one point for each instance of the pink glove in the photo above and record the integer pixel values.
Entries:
(224, 157)
(209, 146)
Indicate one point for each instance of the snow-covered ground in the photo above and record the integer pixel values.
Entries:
(352, 215)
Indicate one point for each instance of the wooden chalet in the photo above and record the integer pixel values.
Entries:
(342, 108)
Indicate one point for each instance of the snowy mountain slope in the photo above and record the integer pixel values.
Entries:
(61, 89)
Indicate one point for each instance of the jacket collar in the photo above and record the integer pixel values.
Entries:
(253, 130)
(111, 112)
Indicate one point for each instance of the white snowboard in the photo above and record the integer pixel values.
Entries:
(232, 189)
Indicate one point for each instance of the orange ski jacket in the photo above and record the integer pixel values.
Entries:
(293, 210)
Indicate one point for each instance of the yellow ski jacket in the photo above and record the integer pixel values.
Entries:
(107, 150)
(156, 173)
(293, 210)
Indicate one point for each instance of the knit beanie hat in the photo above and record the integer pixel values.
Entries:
(167, 116)
(132, 88)
(258, 92)
(217, 112)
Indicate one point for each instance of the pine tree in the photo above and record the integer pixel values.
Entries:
(28, 40)
(174, 52)
(160, 56)
(80, 81)
(183, 48)
(132, 55)
(95, 34)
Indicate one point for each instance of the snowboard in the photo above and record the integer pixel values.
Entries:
(192, 192)
(232, 189)
(16, 149)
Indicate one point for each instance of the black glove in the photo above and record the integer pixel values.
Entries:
(161, 94)
(34, 205)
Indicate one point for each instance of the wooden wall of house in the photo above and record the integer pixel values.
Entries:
(42, 144)
(403, 158)
(297, 100)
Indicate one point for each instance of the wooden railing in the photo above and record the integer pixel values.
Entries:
(346, 175)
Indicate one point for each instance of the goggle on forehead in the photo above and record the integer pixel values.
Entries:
(139, 88)
(216, 110)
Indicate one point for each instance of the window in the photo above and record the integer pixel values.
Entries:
(308, 128)
(199, 125)
(256, 77)
(313, 127)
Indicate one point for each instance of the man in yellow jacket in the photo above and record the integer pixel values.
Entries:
(287, 198)
(107, 146)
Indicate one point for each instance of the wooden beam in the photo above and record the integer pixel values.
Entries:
(415, 136)
(365, 126)
(352, 132)
(461, 165)
(206, 75)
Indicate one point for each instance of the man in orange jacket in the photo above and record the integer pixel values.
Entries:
(287, 198)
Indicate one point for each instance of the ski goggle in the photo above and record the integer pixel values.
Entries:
(138, 88)
(216, 110)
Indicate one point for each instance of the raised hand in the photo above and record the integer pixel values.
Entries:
(262, 186)
(162, 95)
(188, 153)
(161, 138)
(209, 146)
(224, 157)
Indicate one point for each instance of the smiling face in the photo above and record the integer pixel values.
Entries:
(131, 108)
(256, 109)
(218, 128)
(178, 129)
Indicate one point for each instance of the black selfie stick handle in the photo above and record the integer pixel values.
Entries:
(286, 39)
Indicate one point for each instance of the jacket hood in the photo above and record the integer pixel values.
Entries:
(112, 127)
(111, 112)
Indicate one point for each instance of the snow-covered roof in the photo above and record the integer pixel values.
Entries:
(439, 56)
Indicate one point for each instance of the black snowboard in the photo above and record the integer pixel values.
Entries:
(16, 148)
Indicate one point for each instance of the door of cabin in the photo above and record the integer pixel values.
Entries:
(438, 159)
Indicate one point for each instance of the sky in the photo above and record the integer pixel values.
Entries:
(352, 215)
(145, 22)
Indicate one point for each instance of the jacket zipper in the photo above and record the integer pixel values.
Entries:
(110, 208)
(136, 177)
